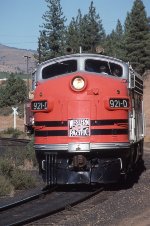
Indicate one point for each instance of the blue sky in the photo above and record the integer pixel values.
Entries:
(20, 20)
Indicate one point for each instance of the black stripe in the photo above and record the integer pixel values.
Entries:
(93, 132)
(51, 123)
(107, 122)
(109, 131)
(51, 133)
(93, 122)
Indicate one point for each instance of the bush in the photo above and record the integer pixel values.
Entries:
(15, 154)
(5, 168)
(15, 133)
(13, 92)
(31, 152)
(6, 187)
(12, 161)
(13, 177)
(7, 110)
(21, 180)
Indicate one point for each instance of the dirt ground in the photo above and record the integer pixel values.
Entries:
(8, 122)
(142, 219)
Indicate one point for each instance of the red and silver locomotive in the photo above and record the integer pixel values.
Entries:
(88, 119)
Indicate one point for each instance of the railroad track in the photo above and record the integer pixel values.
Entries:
(13, 141)
(15, 209)
(42, 205)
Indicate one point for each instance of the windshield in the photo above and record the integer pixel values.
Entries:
(103, 67)
(59, 68)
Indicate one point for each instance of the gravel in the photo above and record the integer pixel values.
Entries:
(130, 206)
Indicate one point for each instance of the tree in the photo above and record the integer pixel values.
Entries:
(13, 92)
(137, 37)
(73, 35)
(114, 43)
(86, 31)
(93, 33)
(42, 47)
(52, 37)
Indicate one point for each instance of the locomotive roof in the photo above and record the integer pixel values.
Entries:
(82, 59)
(77, 55)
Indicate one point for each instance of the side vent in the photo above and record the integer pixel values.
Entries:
(135, 82)
(138, 85)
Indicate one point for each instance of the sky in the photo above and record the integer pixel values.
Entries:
(20, 20)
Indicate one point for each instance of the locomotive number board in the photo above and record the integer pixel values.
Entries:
(79, 127)
(118, 103)
(39, 105)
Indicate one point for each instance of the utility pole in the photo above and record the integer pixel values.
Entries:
(39, 43)
(27, 57)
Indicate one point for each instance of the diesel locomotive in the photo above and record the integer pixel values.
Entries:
(88, 119)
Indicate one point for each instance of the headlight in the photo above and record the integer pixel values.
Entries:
(78, 83)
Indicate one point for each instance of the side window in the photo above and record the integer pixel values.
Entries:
(59, 68)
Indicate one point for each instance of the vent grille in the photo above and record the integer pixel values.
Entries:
(138, 85)
(51, 169)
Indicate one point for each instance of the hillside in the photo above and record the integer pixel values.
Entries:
(13, 60)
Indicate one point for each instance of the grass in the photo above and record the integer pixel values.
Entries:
(6, 186)
(7, 75)
(14, 162)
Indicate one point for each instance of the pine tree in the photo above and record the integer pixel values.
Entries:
(42, 47)
(137, 37)
(73, 37)
(52, 37)
(147, 62)
(86, 31)
(110, 44)
(119, 41)
(93, 33)
(114, 42)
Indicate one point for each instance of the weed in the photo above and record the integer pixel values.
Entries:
(6, 187)
(6, 167)
(21, 179)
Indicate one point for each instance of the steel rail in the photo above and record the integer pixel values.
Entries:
(63, 207)
(25, 200)
(15, 139)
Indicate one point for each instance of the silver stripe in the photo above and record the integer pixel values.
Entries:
(109, 145)
(82, 147)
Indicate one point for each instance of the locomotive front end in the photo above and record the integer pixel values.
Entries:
(81, 120)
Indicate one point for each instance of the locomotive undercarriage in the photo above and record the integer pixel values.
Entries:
(96, 166)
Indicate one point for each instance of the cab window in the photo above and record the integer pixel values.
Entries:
(103, 67)
(116, 69)
(97, 66)
(59, 68)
